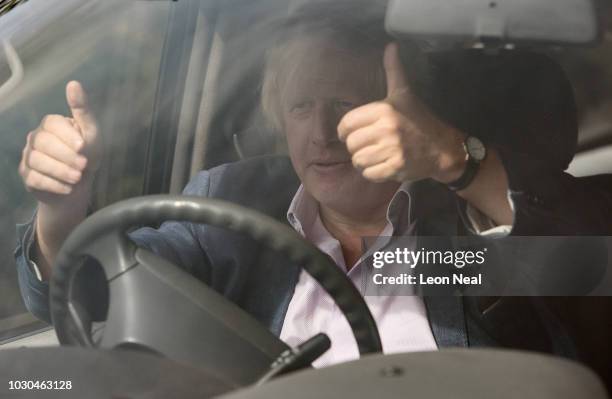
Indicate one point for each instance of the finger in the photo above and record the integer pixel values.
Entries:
(51, 167)
(394, 70)
(371, 155)
(79, 106)
(378, 134)
(381, 172)
(65, 130)
(361, 138)
(36, 181)
(51, 145)
(23, 168)
(361, 117)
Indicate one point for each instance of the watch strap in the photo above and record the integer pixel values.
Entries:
(471, 169)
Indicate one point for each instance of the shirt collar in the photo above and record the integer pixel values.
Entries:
(303, 211)
(399, 211)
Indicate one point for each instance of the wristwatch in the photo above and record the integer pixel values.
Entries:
(476, 152)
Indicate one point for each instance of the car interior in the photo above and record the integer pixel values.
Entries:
(176, 86)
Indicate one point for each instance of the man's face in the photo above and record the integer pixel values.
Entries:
(326, 85)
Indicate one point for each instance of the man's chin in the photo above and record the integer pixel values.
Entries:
(332, 170)
(336, 183)
(332, 175)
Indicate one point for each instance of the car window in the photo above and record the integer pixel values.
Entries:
(592, 162)
(114, 48)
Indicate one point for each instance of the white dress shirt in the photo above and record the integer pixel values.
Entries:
(401, 320)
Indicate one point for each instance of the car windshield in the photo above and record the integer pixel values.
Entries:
(178, 87)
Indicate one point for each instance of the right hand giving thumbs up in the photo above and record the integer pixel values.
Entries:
(63, 153)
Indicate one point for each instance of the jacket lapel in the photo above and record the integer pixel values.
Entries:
(435, 212)
(447, 320)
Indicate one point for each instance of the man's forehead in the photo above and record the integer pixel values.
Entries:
(328, 68)
(326, 86)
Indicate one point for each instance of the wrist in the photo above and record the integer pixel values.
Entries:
(72, 202)
(56, 219)
(452, 158)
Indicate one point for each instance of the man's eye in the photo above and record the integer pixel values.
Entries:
(301, 107)
(345, 105)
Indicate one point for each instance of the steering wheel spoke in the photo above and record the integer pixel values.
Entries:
(115, 251)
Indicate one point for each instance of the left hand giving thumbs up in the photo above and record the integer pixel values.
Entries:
(399, 138)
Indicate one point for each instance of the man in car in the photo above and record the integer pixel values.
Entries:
(370, 159)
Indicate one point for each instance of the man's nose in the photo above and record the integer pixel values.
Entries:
(325, 126)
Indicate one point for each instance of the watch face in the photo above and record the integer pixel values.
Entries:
(475, 148)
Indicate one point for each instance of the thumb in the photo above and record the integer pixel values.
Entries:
(394, 71)
(79, 107)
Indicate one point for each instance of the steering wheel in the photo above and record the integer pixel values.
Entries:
(157, 306)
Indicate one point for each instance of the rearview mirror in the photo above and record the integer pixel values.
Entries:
(495, 22)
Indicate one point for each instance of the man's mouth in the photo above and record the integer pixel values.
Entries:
(329, 166)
